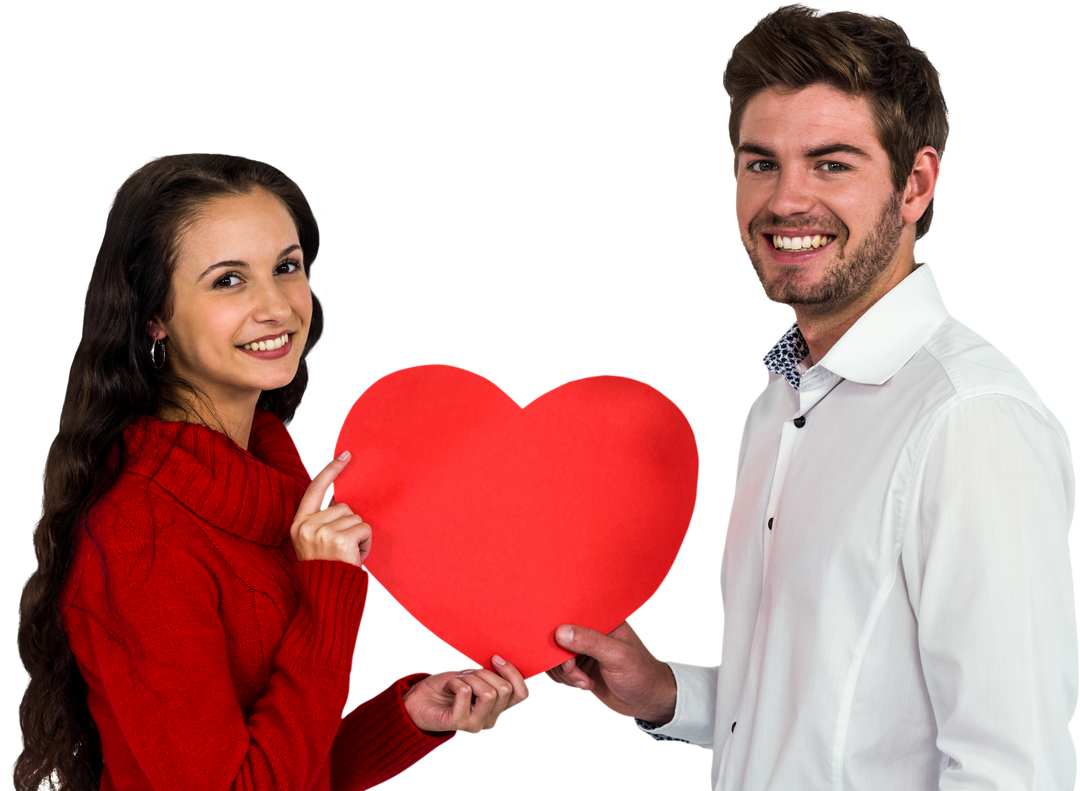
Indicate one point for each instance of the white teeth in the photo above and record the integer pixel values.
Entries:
(796, 243)
(262, 346)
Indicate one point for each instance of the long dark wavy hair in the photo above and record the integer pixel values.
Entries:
(868, 56)
(112, 381)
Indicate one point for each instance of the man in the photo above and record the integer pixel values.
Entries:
(897, 590)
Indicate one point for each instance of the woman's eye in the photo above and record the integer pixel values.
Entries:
(223, 282)
(227, 281)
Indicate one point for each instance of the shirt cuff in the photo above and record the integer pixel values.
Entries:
(695, 707)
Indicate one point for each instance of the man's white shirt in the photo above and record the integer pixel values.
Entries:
(897, 588)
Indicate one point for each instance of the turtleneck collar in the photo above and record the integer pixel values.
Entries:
(252, 494)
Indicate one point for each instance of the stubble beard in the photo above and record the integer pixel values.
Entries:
(850, 274)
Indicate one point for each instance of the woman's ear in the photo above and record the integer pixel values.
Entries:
(155, 330)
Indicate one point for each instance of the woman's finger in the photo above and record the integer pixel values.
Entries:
(485, 699)
(495, 692)
(513, 675)
(463, 700)
(335, 511)
(486, 694)
(501, 685)
(312, 500)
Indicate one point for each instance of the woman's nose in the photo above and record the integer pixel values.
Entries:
(271, 304)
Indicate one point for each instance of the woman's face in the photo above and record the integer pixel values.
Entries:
(241, 305)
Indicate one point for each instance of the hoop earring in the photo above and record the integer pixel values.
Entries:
(157, 353)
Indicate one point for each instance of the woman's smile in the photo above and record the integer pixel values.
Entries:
(269, 342)
(270, 348)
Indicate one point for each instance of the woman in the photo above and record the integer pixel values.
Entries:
(192, 620)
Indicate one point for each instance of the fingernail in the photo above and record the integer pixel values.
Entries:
(344, 456)
(463, 673)
(565, 634)
(569, 663)
(581, 684)
(498, 660)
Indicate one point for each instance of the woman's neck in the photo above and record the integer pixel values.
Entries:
(233, 419)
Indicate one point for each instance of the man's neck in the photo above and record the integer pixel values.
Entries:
(823, 325)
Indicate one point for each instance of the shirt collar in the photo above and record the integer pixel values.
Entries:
(876, 346)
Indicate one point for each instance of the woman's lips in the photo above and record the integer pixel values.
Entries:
(270, 348)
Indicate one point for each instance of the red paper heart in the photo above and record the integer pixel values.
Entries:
(495, 524)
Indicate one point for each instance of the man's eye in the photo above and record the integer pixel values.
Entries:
(833, 167)
(753, 165)
(762, 166)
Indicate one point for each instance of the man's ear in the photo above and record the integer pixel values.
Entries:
(919, 190)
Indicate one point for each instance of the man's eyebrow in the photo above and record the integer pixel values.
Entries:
(819, 151)
(241, 264)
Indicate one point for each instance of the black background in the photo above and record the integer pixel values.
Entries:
(534, 217)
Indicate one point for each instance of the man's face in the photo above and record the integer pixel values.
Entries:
(817, 210)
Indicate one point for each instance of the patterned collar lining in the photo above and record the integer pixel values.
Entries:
(785, 356)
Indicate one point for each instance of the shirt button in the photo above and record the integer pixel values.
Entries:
(770, 522)
(800, 421)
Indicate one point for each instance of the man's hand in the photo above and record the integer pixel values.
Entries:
(619, 670)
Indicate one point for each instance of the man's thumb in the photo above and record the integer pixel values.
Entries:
(564, 636)
(589, 642)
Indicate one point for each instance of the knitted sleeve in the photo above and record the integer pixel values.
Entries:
(162, 677)
(359, 760)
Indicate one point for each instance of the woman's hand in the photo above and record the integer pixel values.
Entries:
(469, 701)
(335, 533)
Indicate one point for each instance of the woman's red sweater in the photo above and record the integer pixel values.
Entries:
(213, 658)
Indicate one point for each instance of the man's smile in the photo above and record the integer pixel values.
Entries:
(796, 243)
